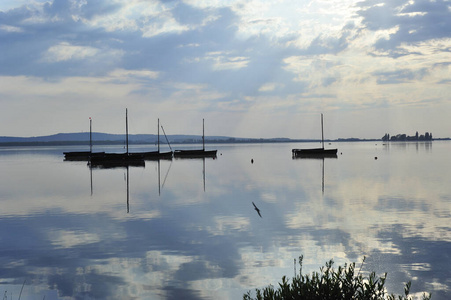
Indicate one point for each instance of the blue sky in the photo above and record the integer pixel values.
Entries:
(250, 68)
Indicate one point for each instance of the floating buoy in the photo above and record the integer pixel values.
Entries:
(252, 160)
(375, 157)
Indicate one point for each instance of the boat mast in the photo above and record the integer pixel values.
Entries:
(322, 131)
(158, 135)
(203, 134)
(90, 135)
(126, 128)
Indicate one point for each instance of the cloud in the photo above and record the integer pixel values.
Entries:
(65, 51)
(7, 28)
(223, 61)
(144, 74)
(415, 21)
(328, 55)
(400, 76)
(270, 87)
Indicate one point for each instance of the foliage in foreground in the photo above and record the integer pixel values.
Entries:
(332, 284)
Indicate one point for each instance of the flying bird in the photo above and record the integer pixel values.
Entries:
(258, 210)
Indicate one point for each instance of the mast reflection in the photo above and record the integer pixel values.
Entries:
(203, 158)
(161, 185)
(120, 165)
(128, 190)
(322, 157)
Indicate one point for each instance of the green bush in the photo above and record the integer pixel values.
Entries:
(331, 284)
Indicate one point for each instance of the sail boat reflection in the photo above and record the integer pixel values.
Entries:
(160, 186)
(322, 158)
(115, 164)
(90, 174)
(128, 190)
(126, 179)
(203, 169)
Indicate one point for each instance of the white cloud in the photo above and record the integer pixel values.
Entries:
(6, 5)
(225, 225)
(152, 18)
(146, 74)
(269, 87)
(163, 26)
(69, 239)
(243, 57)
(65, 51)
(8, 28)
(226, 61)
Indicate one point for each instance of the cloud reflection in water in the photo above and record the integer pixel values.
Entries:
(184, 240)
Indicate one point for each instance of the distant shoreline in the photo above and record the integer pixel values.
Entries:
(100, 138)
(207, 141)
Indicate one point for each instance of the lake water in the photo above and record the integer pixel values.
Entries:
(187, 228)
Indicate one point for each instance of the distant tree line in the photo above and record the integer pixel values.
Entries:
(403, 137)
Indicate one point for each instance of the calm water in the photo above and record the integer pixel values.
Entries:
(188, 229)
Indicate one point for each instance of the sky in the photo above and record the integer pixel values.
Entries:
(250, 68)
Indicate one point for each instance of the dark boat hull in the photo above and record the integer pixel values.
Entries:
(194, 153)
(111, 160)
(159, 155)
(314, 153)
(117, 164)
(153, 155)
(81, 155)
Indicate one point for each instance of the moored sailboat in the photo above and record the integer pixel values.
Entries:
(83, 155)
(316, 152)
(118, 159)
(153, 155)
(196, 153)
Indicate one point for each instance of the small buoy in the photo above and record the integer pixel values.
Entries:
(375, 157)
(252, 160)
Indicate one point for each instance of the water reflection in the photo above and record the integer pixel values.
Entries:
(117, 163)
(128, 190)
(194, 242)
(419, 146)
(126, 168)
(321, 158)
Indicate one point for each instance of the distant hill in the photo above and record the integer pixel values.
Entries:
(82, 138)
(107, 138)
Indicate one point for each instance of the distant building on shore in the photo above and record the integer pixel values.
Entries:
(403, 137)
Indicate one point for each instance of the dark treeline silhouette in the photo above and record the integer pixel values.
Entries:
(403, 137)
